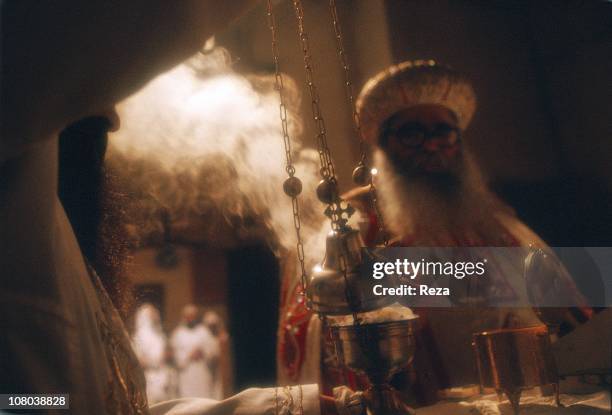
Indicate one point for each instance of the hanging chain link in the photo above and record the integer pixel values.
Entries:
(327, 166)
(335, 210)
(329, 186)
(289, 167)
(348, 85)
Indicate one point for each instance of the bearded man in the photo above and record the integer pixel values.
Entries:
(430, 194)
(431, 191)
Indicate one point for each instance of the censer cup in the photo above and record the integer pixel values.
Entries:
(511, 360)
(378, 351)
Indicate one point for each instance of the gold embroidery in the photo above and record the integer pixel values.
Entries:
(124, 396)
(287, 390)
(132, 400)
(276, 401)
(301, 400)
(288, 404)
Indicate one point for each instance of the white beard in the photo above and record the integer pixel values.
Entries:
(435, 214)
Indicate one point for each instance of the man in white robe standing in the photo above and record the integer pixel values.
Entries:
(196, 351)
(151, 347)
(222, 369)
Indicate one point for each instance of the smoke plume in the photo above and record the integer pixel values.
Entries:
(201, 145)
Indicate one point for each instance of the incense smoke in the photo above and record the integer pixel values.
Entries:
(202, 144)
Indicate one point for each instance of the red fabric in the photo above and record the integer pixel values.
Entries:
(294, 327)
(292, 334)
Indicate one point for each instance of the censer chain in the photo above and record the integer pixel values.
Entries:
(327, 166)
(335, 210)
(292, 185)
(355, 116)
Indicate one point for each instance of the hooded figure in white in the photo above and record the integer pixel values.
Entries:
(150, 345)
(221, 371)
(196, 352)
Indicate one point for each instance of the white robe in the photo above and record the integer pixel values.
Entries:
(149, 343)
(282, 400)
(195, 377)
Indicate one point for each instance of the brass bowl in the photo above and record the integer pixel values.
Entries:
(377, 350)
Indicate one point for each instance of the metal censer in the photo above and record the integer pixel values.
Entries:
(333, 290)
(376, 350)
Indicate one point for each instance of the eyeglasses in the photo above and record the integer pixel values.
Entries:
(414, 134)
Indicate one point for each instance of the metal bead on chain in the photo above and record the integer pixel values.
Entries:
(292, 186)
(327, 191)
(362, 175)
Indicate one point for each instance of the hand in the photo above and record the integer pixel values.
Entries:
(348, 402)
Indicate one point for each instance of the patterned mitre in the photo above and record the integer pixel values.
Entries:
(413, 83)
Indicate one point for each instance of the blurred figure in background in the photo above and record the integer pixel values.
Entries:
(195, 351)
(151, 347)
(222, 370)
